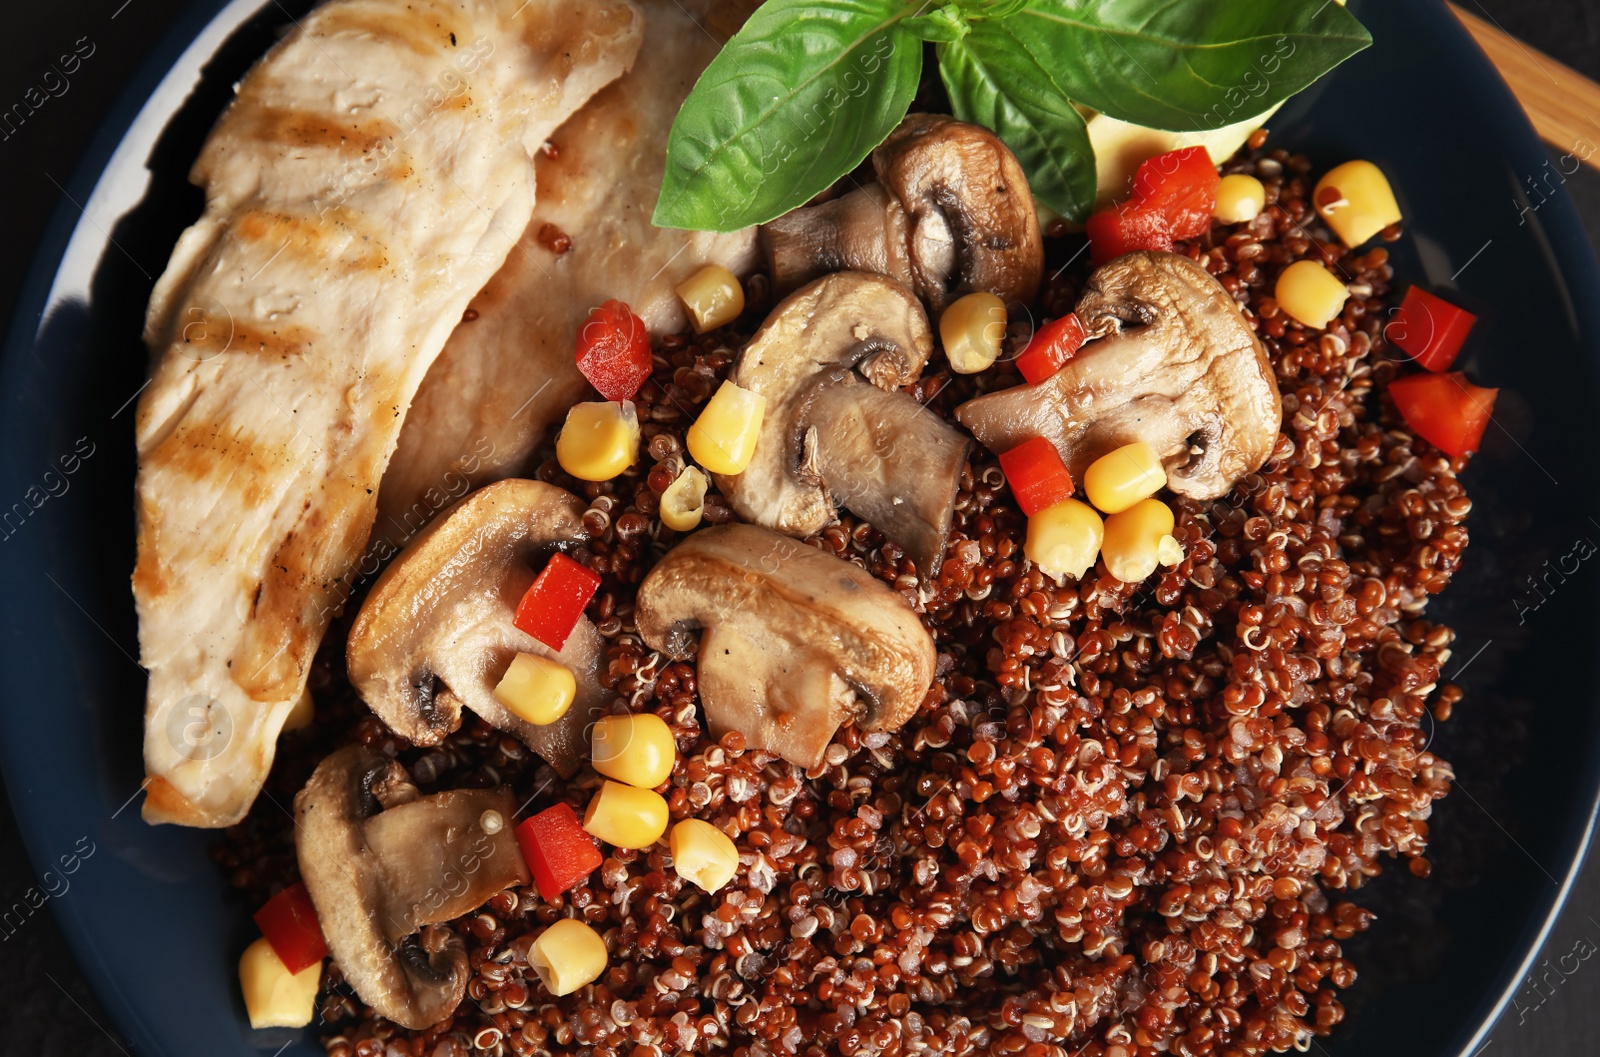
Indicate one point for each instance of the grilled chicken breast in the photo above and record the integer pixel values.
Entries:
(370, 176)
(508, 374)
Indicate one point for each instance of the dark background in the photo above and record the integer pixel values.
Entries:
(45, 1006)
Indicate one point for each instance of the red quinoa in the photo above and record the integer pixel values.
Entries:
(1119, 823)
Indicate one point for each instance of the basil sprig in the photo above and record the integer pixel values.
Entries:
(801, 95)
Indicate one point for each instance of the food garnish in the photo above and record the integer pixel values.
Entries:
(1445, 409)
(634, 749)
(553, 604)
(1310, 294)
(723, 439)
(684, 502)
(557, 850)
(972, 329)
(626, 816)
(288, 922)
(1036, 474)
(1064, 539)
(1429, 329)
(1121, 477)
(1174, 195)
(1132, 544)
(274, 996)
(568, 955)
(1356, 201)
(536, 689)
(1051, 346)
(1240, 197)
(713, 296)
(614, 351)
(599, 440)
(703, 854)
(805, 90)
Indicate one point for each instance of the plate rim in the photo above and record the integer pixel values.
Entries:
(1569, 248)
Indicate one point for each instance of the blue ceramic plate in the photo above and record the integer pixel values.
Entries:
(152, 921)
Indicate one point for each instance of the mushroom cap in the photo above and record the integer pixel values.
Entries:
(972, 221)
(794, 640)
(435, 632)
(1176, 366)
(819, 334)
(376, 876)
(950, 213)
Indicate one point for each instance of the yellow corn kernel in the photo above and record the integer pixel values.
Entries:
(625, 816)
(713, 297)
(684, 501)
(723, 438)
(536, 689)
(568, 955)
(1117, 480)
(1240, 197)
(599, 441)
(702, 853)
(1310, 294)
(972, 329)
(638, 750)
(1064, 539)
(1169, 551)
(1132, 547)
(1356, 201)
(301, 715)
(273, 996)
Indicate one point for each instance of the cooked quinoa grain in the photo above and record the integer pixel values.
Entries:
(1122, 819)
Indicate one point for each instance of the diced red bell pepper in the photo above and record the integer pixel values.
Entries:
(1182, 184)
(558, 850)
(1053, 345)
(1445, 409)
(1037, 476)
(614, 351)
(1124, 228)
(1430, 329)
(289, 922)
(551, 607)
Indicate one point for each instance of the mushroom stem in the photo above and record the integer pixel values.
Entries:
(863, 231)
(889, 461)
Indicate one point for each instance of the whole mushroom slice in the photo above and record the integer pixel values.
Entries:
(830, 360)
(793, 641)
(1177, 366)
(378, 875)
(435, 633)
(951, 213)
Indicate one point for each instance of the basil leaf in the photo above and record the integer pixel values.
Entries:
(792, 103)
(993, 81)
(1187, 65)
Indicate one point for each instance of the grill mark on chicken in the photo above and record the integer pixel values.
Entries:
(301, 128)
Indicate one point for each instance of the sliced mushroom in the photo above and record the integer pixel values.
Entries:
(793, 641)
(830, 360)
(435, 633)
(1178, 367)
(951, 213)
(379, 875)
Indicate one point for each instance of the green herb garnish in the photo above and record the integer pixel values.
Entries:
(801, 95)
